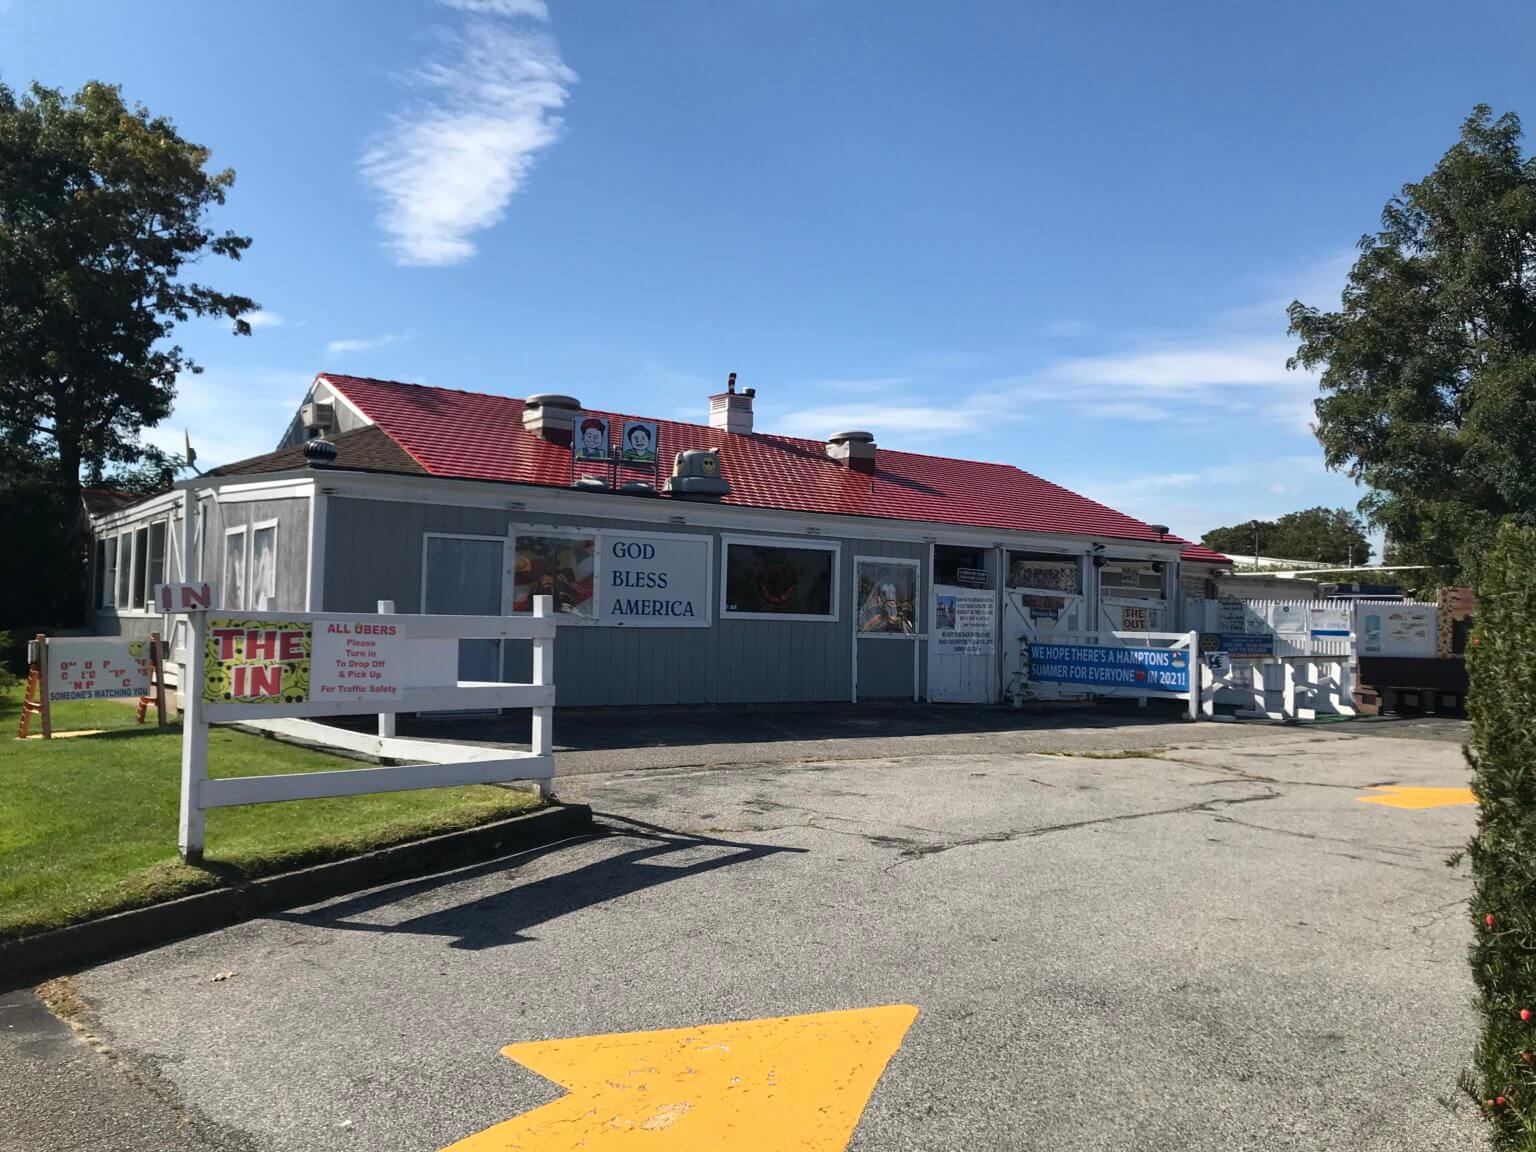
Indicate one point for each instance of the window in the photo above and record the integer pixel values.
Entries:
(887, 597)
(462, 575)
(1045, 572)
(780, 579)
(263, 575)
(124, 570)
(553, 565)
(156, 560)
(1138, 579)
(961, 567)
(103, 587)
(233, 593)
(140, 567)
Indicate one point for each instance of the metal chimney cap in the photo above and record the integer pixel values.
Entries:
(320, 453)
(853, 437)
(552, 400)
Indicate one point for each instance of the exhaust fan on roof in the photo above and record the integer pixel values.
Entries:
(696, 474)
(319, 418)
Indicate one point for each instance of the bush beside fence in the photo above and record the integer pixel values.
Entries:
(1502, 665)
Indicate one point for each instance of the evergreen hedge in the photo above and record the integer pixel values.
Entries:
(1501, 660)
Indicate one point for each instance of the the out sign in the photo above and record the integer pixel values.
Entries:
(654, 581)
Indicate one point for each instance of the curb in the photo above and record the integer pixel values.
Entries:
(33, 959)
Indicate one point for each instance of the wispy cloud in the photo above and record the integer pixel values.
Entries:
(486, 105)
(342, 347)
(897, 418)
(537, 9)
(262, 318)
(265, 398)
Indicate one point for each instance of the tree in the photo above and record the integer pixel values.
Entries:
(1429, 367)
(101, 208)
(1331, 535)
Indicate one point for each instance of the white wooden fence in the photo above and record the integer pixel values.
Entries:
(351, 664)
(1279, 687)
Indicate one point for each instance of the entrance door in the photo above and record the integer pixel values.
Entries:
(962, 654)
(462, 575)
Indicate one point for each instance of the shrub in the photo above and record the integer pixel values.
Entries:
(1501, 660)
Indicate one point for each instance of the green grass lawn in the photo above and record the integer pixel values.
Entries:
(88, 824)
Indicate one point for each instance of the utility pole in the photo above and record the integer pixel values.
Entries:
(1255, 545)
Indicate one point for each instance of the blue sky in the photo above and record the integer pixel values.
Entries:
(1060, 236)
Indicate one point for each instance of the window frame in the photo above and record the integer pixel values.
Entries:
(516, 532)
(917, 598)
(240, 530)
(106, 579)
(151, 577)
(806, 544)
(123, 582)
(250, 559)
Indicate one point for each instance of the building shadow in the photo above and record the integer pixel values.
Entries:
(657, 856)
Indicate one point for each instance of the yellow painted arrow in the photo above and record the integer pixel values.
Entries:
(1401, 796)
(797, 1082)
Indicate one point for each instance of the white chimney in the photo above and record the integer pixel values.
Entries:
(854, 449)
(731, 411)
(550, 416)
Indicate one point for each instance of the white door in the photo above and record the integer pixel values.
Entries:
(1034, 616)
(962, 651)
(463, 576)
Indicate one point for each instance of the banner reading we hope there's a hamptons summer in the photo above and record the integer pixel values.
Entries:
(301, 660)
(1148, 669)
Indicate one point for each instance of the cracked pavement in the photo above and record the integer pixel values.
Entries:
(1193, 938)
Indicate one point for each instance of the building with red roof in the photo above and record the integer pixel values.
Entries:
(693, 563)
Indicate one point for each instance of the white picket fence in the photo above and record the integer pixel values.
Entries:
(438, 766)
(1285, 688)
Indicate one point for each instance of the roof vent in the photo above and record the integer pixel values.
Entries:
(550, 416)
(318, 418)
(637, 488)
(731, 411)
(320, 453)
(696, 475)
(855, 449)
(590, 484)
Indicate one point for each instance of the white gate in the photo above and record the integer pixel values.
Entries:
(1034, 616)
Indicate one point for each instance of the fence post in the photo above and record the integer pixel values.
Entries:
(386, 719)
(1195, 665)
(194, 745)
(543, 737)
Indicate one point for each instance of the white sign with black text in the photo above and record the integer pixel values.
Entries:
(654, 581)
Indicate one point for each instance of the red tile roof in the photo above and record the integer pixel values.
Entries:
(1203, 555)
(471, 435)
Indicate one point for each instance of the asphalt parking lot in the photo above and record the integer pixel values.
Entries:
(1115, 935)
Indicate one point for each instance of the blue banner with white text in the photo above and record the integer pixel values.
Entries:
(1147, 669)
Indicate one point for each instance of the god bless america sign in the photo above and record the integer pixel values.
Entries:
(654, 581)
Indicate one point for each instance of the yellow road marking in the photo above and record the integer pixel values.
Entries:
(1404, 797)
(796, 1082)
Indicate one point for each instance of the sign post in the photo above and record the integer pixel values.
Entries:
(194, 743)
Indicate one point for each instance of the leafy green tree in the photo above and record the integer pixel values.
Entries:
(102, 207)
(1331, 535)
(1429, 367)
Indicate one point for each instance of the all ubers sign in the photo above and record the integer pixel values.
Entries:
(654, 581)
(301, 660)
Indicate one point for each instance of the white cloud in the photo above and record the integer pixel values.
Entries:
(537, 9)
(262, 318)
(894, 419)
(342, 347)
(264, 398)
(449, 164)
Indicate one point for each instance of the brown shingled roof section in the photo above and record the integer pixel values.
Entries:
(366, 449)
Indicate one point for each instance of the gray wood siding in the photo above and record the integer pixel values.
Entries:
(374, 552)
(292, 516)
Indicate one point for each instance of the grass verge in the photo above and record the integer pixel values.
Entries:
(88, 824)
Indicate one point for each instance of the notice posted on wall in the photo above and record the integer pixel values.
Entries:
(965, 623)
(97, 668)
(362, 660)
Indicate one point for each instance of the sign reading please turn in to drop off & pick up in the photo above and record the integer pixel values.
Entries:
(295, 661)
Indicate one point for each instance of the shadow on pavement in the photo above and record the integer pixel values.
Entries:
(659, 857)
(611, 729)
